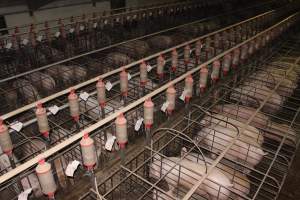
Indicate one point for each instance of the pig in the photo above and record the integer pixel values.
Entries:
(217, 138)
(67, 74)
(251, 90)
(27, 91)
(178, 38)
(80, 73)
(285, 89)
(286, 62)
(188, 174)
(191, 30)
(44, 81)
(117, 59)
(160, 42)
(251, 133)
(281, 72)
(135, 49)
(241, 184)
(271, 130)
(11, 97)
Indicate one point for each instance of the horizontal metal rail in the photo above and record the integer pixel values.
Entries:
(129, 107)
(116, 71)
(131, 40)
(186, 3)
(101, 13)
(213, 165)
(184, 125)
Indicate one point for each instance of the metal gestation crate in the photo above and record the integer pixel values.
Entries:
(61, 130)
(10, 66)
(264, 181)
(40, 47)
(73, 151)
(94, 15)
(90, 106)
(34, 85)
(31, 54)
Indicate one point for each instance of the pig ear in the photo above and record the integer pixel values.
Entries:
(183, 151)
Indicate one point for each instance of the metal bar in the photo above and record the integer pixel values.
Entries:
(94, 80)
(111, 117)
(193, 189)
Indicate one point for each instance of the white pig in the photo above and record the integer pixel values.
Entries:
(160, 42)
(67, 74)
(217, 138)
(286, 62)
(281, 72)
(117, 59)
(44, 81)
(188, 173)
(27, 90)
(285, 89)
(251, 88)
(272, 130)
(135, 49)
(11, 97)
(251, 132)
(241, 184)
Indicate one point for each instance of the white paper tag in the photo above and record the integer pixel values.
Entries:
(159, 12)
(128, 17)
(191, 51)
(84, 96)
(24, 195)
(129, 76)
(54, 109)
(72, 30)
(71, 168)
(117, 20)
(164, 106)
(81, 27)
(164, 62)
(57, 34)
(8, 45)
(144, 15)
(95, 25)
(17, 126)
(182, 96)
(105, 21)
(134, 16)
(25, 41)
(39, 38)
(149, 68)
(110, 142)
(150, 14)
(138, 124)
(108, 86)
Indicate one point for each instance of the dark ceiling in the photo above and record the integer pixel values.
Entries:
(33, 4)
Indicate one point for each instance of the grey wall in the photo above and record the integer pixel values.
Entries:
(130, 3)
(53, 13)
(22, 17)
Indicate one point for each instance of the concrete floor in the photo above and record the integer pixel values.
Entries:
(291, 188)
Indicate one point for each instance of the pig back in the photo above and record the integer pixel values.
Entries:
(27, 91)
